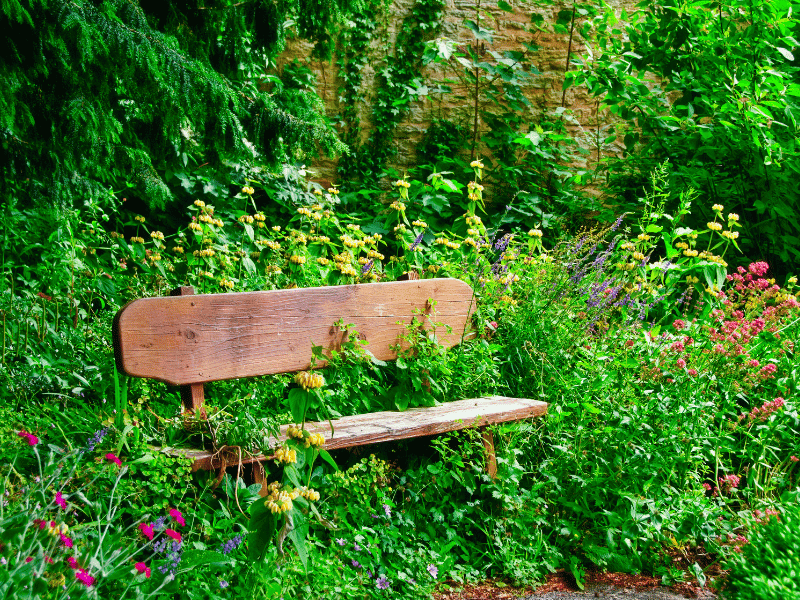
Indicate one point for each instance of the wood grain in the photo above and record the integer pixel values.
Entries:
(388, 426)
(197, 339)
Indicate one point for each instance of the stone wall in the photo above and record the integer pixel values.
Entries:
(511, 30)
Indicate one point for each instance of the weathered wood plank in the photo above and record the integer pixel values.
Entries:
(388, 426)
(197, 339)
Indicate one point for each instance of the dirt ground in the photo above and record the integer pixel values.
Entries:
(559, 586)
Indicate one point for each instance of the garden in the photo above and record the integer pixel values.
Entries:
(638, 275)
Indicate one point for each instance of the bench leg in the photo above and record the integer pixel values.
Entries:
(192, 397)
(488, 447)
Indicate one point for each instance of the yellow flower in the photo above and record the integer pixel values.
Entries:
(323, 261)
(178, 249)
(731, 235)
(733, 217)
(643, 237)
(276, 228)
(419, 223)
(638, 256)
(304, 211)
(285, 455)
(156, 235)
(714, 226)
(399, 206)
(535, 233)
(717, 207)
(476, 164)
(308, 380)
(297, 259)
(690, 252)
(248, 190)
(139, 218)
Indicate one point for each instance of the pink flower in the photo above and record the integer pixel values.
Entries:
(143, 568)
(60, 501)
(679, 325)
(758, 268)
(178, 516)
(72, 562)
(693, 372)
(793, 458)
(147, 530)
(84, 578)
(171, 533)
(29, 559)
(31, 439)
(113, 458)
(681, 363)
(67, 541)
(677, 346)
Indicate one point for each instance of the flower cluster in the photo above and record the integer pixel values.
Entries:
(309, 380)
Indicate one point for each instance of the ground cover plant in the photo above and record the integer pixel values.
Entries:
(673, 426)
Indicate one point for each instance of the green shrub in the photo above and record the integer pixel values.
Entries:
(768, 567)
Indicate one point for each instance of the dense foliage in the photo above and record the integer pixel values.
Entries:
(103, 100)
(148, 146)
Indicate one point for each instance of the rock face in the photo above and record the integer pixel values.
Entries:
(511, 31)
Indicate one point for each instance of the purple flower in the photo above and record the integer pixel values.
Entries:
(433, 570)
(232, 544)
(355, 563)
(367, 266)
(382, 583)
(340, 541)
(388, 510)
(96, 439)
(416, 243)
(223, 584)
(356, 547)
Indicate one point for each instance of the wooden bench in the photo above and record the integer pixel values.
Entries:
(189, 340)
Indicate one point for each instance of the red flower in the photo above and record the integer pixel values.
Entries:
(147, 530)
(29, 559)
(171, 533)
(143, 568)
(60, 501)
(178, 516)
(113, 458)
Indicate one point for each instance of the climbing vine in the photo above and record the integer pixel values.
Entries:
(398, 84)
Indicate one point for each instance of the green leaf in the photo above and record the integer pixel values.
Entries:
(298, 404)
(503, 5)
(325, 455)
(298, 536)
(785, 53)
(262, 528)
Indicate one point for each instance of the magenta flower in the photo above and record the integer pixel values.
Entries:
(60, 501)
(178, 516)
(171, 533)
(147, 530)
(72, 562)
(111, 457)
(143, 568)
(31, 439)
(66, 541)
(84, 578)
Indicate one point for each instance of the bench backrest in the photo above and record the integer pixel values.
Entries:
(193, 339)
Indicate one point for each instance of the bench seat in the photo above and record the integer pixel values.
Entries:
(372, 428)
